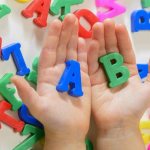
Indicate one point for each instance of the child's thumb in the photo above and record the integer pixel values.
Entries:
(28, 95)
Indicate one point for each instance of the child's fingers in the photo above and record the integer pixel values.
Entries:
(68, 25)
(98, 35)
(28, 95)
(125, 45)
(48, 54)
(73, 43)
(96, 48)
(110, 36)
(82, 55)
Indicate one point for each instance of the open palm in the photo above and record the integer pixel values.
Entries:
(125, 104)
(59, 112)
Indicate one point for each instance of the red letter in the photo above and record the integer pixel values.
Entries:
(90, 17)
(41, 7)
(10, 121)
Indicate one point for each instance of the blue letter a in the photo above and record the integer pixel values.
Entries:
(71, 79)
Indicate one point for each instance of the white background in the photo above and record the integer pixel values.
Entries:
(15, 28)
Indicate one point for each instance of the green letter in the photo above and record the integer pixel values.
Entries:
(145, 3)
(115, 71)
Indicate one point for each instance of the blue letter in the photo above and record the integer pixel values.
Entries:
(143, 70)
(71, 79)
(140, 20)
(14, 50)
(25, 116)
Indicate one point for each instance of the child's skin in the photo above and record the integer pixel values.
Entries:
(66, 119)
(115, 112)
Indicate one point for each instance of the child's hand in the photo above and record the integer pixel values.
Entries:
(65, 118)
(116, 112)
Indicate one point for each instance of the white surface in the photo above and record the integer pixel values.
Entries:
(15, 28)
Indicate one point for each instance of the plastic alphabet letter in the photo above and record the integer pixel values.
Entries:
(14, 50)
(71, 78)
(146, 138)
(91, 19)
(145, 124)
(0, 46)
(25, 116)
(35, 135)
(8, 93)
(140, 20)
(9, 120)
(41, 7)
(23, 1)
(64, 5)
(89, 145)
(148, 148)
(143, 70)
(4, 10)
(114, 9)
(115, 71)
(145, 3)
(32, 76)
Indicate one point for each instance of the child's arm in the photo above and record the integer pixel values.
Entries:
(116, 111)
(121, 138)
(65, 118)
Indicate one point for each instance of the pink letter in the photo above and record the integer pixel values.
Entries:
(114, 9)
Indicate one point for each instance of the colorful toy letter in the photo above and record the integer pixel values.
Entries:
(9, 120)
(4, 10)
(65, 5)
(146, 138)
(114, 9)
(115, 71)
(0, 46)
(32, 76)
(41, 7)
(35, 135)
(140, 20)
(91, 19)
(145, 124)
(8, 93)
(89, 145)
(148, 148)
(23, 1)
(71, 78)
(145, 3)
(25, 116)
(14, 50)
(143, 70)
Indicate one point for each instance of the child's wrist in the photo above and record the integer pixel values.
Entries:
(124, 138)
(54, 143)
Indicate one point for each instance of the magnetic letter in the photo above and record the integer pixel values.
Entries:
(8, 93)
(25, 116)
(64, 5)
(4, 10)
(35, 135)
(91, 19)
(0, 46)
(15, 51)
(32, 77)
(71, 79)
(140, 20)
(113, 66)
(41, 7)
(23, 1)
(145, 3)
(143, 70)
(9, 120)
(114, 9)
(146, 138)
